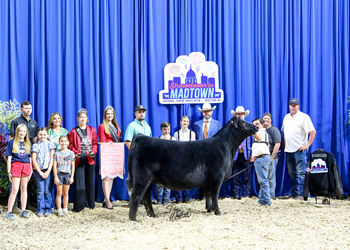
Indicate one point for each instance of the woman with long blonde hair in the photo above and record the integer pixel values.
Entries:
(19, 168)
(110, 132)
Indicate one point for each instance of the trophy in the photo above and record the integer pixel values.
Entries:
(86, 148)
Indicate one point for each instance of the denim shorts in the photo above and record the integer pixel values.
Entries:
(64, 178)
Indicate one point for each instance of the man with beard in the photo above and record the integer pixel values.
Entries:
(26, 108)
(139, 125)
(207, 127)
(296, 129)
(32, 126)
(243, 154)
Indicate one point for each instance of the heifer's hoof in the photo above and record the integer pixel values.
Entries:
(152, 215)
(132, 219)
(217, 212)
(209, 210)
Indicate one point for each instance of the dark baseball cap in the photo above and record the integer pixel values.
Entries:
(140, 107)
(294, 101)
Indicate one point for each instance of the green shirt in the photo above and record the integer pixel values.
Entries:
(135, 128)
(54, 137)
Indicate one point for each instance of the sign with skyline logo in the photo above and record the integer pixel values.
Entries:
(191, 79)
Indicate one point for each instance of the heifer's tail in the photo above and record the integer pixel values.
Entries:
(129, 180)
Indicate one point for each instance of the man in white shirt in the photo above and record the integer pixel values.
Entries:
(296, 127)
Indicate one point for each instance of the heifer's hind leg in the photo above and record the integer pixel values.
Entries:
(208, 205)
(214, 191)
(136, 195)
(147, 201)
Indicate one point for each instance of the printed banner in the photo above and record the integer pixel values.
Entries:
(112, 160)
(191, 79)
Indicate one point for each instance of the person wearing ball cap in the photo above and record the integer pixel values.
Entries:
(243, 153)
(139, 125)
(296, 128)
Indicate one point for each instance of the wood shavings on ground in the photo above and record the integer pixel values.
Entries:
(244, 224)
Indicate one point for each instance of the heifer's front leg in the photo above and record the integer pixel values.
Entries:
(214, 191)
(136, 195)
(208, 205)
(147, 201)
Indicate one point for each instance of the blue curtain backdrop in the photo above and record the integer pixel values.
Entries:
(66, 55)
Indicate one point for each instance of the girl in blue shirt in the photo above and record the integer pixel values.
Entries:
(19, 168)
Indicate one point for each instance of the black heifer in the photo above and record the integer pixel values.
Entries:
(183, 165)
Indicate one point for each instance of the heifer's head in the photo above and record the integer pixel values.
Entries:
(239, 124)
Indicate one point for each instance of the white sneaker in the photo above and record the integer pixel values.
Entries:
(65, 211)
(59, 211)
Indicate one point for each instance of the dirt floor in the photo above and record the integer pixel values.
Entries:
(244, 224)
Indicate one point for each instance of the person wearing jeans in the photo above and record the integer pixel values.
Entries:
(274, 145)
(296, 128)
(242, 156)
(296, 163)
(261, 154)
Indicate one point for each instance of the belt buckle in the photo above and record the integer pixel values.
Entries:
(241, 150)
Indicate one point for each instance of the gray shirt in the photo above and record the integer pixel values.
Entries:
(274, 137)
(64, 161)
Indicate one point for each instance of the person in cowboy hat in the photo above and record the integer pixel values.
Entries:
(243, 153)
(207, 127)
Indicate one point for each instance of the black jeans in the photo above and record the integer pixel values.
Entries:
(84, 186)
(244, 177)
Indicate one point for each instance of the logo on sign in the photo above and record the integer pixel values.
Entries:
(191, 79)
(318, 166)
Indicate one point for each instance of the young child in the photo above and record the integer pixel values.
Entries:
(63, 170)
(19, 168)
(261, 154)
(164, 193)
(184, 134)
(42, 155)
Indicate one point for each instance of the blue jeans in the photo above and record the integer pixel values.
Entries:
(261, 169)
(296, 163)
(272, 177)
(163, 195)
(44, 195)
(182, 196)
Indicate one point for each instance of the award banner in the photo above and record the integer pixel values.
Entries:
(191, 79)
(112, 160)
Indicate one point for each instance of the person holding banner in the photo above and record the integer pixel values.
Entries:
(109, 132)
(84, 144)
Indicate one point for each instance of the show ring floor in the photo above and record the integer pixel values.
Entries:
(244, 224)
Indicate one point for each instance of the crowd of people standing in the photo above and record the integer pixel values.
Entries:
(55, 156)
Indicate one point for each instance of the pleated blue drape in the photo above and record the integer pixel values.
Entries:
(65, 55)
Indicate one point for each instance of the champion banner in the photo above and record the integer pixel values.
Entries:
(112, 160)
